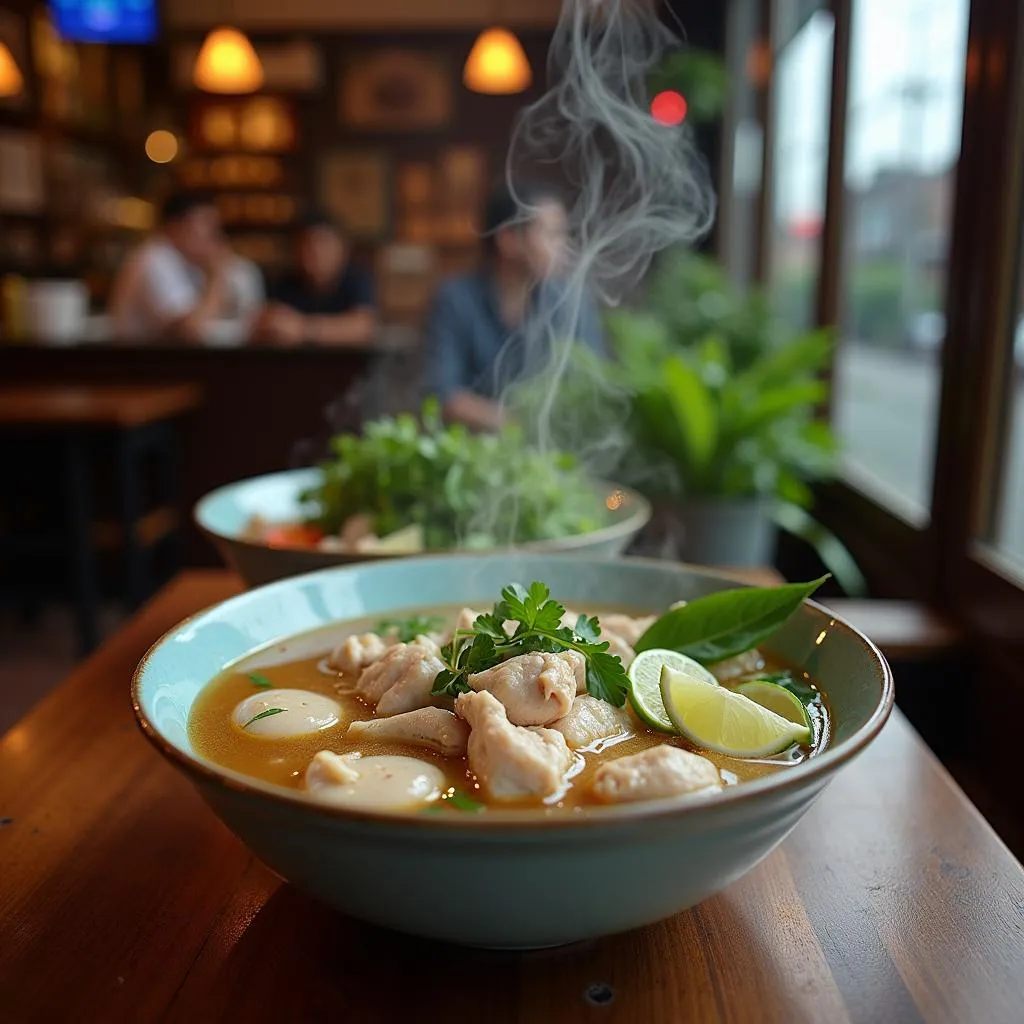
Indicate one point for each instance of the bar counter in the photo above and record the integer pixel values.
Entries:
(263, 408)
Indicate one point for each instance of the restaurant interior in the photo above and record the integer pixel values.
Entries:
(328, 287)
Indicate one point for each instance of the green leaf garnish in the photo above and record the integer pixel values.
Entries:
(723, 625)
(539, 628)
(264, 714)
(463, 802)
(260, 680)
(406, 630)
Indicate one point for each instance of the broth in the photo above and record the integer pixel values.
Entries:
(300, 664)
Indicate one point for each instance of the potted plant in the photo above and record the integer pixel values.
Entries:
(719, 408)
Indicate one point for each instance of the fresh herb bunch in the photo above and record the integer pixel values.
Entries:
(465, 490)
(539, 629)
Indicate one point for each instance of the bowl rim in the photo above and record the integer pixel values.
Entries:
(776, 783)
(640, 515)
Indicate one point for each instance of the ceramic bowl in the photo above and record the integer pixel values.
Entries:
(223, 514)
(515, 879)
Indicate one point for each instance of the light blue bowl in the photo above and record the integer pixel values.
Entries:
(518, 879)
(223, 514)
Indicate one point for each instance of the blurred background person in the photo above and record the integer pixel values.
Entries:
(480, 325)
(326, 299)
(184, 281)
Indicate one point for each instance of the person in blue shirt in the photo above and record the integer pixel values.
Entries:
(493, 326)
(326, 300)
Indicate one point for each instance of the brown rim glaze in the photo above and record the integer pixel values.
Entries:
(792, 778)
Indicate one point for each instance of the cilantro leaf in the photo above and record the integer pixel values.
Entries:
(260, 680)
(606, 678)
(588, 629)
(540, 629)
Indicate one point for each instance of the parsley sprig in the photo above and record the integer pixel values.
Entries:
(539, 629)
(406, 630)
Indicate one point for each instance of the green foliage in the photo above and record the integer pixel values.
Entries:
(700, 76)
(725, 624)
(722, 397)
(464, 489)
(875, 301)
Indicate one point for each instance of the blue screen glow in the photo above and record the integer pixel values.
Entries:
(105, 21)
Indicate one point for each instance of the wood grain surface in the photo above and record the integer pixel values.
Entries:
(123, 899)
(95, 406)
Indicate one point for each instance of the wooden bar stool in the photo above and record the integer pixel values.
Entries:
(123, 426)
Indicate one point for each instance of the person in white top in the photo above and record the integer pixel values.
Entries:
(184, 282)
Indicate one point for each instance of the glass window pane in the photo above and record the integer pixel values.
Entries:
(903, 142)
(1009, 525)
(803, 81)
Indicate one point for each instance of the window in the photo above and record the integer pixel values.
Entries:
(1009, 526)
(907, 61)
(801, 108)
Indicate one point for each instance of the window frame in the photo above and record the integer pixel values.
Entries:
(941, 560)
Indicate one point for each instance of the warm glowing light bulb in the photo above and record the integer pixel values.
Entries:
(497, 64)
(11, 80)
(228, 64)
(161, 146)
(669, 107)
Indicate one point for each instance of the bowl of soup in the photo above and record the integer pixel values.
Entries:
(472, 748)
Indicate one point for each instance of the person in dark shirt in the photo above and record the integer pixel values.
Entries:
(479, 323)
(326, 300)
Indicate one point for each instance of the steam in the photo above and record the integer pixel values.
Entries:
(633, 187)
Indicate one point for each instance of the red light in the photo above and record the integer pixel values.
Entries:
(669, 107)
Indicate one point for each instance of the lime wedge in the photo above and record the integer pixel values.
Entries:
(645, 676)
(717, 718)
(776, 698)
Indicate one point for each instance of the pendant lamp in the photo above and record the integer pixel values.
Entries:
(227, 64)
(11, 81)
(497, 64)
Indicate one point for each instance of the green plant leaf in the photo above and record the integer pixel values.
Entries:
(258, 679)
(722, 625)
(834, 555)
(771, 405)
(694, 411)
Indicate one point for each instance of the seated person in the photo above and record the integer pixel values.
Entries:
(327, 300)
(479, 323)
(184, 282)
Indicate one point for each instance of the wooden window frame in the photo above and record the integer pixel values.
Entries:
(941, 561)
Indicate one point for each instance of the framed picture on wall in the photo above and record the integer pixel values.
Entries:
(396, 90)
(355, 188)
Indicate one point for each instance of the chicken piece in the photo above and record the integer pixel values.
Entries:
(432, 728)
(355, 653)
(511, 761)
(656, 772)
(747, 664)
(407, 669)
(626, 627)
(535, 688)
(591, 720)
(379, 782)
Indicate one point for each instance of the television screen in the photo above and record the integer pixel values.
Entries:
(105, 21)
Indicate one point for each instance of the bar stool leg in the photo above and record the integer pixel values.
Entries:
(128, 468)
(83, 562)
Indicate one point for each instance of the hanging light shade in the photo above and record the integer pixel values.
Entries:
(227, 63)
(497, 64)
(11, 82)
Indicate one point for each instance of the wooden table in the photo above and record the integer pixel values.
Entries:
(122, 898)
